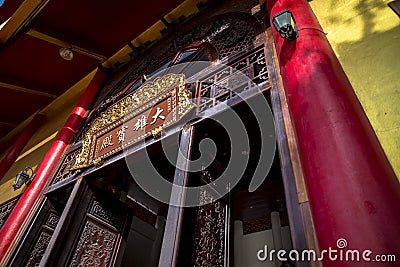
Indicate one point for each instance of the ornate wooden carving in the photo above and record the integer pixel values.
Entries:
(98, 241)
(229, 35)
(106, 214)
(64, 171)
(210, 230)
(43, 240)
(52, 220)
(6, 208)
(107, 132)
(241, 75)
(239, 29)
(39, 248)
(95, 246)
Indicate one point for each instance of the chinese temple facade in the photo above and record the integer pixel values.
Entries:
(194, 133)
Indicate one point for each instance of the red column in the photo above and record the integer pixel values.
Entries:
(353, 191)
(20, 143)
(33, 191)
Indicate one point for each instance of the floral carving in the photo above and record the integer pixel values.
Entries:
(210, 228)
(95, 246)
(39, 249)
(6, 208)
(209, 242)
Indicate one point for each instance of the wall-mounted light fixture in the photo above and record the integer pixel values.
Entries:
(66, 53)
(285, 25)
(23, 178)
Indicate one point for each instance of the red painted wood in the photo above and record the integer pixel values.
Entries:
(27, 200)
(20, 143)
(353, 191)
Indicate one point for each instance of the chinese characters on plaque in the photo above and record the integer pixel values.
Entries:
(138, 127)
(149, 110)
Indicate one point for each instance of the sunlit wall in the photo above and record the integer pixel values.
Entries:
(365, 36)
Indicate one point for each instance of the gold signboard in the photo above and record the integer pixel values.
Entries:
(145, 112)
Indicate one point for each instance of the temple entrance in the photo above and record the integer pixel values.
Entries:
(107, 203)
(230, 230)
(143, 245)
(261, 219)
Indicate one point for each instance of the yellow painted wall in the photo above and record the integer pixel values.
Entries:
(32, 160)
(365, 36)
(57, 113)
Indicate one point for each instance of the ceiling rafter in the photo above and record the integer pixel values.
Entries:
(152, 34)
(28, 10)
(21, 23)
(26, 90)
(50, 39)
(8, 124)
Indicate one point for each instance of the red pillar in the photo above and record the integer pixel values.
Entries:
(353, 191)
(20, 143)
(33, 191)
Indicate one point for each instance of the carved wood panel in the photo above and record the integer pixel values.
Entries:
(95, 246)
(98, 241)
(239, 75)
(52, 220)
(6, 208)
(230, 35)
(210, 233)
(39, 248)
(64, 170)
(209, 243)
(43, 240)
(106, 214)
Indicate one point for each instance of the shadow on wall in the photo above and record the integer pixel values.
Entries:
(366, 38)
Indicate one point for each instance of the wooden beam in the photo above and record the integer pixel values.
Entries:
(8, 124)
(21, 18)
(26, 90)
(300, 220)
(173, 227)
(61, 43)
(76, 198)
(47, 38)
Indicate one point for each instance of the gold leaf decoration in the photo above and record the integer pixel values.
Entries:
(136, 99)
